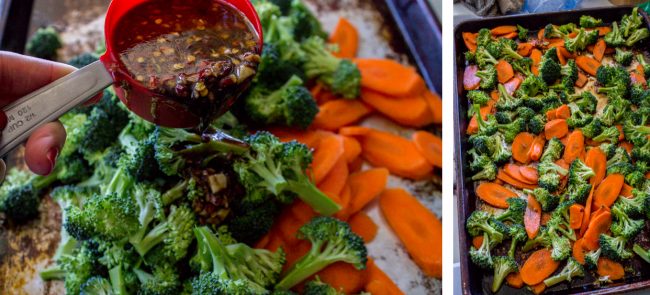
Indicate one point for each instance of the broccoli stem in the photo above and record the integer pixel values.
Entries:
(120, 182)
(643, 253)
(271, 175)
(214, 146)
(117, 280)
(174, 193)
(552, 281)
(153, 238)
(308, 265)
(316, 199)
(53, 273)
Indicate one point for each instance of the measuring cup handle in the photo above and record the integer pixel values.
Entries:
(50, 102)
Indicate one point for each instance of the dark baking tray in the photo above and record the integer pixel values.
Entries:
(474, 279)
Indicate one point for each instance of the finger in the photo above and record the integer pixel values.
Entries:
(43, 147)
(20, 75)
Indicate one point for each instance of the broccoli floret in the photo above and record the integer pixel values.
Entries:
(96, 286)
(67, 196)
(549, 68)
(625, 226)
(488, 77)
(291, 105)
(139, 158)
(481, 221)
(643, 253)
(76, 269)
(522, 33)
(553, 150)
(250, 222)
(509, 49)
(592, 129)
(591, 259)
(581, 41)
(549, 175)
(632, 206)
(507, 101)
(279, 168)
(536, 124)
(614, 247)
(517, 233)
(578, 117)
(636, 179)
(273, 72)
(551, 31)
(163, 280)
(637, 36)
(542, 239)
(636, 134)
(489, 171)
(532, 86)
(587, 21)
(615, 80)
(44, 43)
(484, 58)
(570, 73)
(478, 97)
(341, 76)
(515, 211)
(317, 287)
(503, 266)
(332, 241)
(306, 24)
(585, 100)
(174, 233)
(484, 37)
(615, 37)
(579, 172)
(500, 150)
(572, 270)
(83, 60)
(545, 198)
(482, 256)
(623, 57)
(523, 66)
(610, 134)
(629, 23)
(578, 192)
(642, 152)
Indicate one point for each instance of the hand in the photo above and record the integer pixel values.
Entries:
(19, 76)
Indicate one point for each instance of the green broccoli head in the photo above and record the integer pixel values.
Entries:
(522, 33)
(532, 86)
(587, 21)
(478, 97)
(83, 59)
(482, 256)
(163, 280)
(488, 77)
(44, 43)
(341, 76)
(317, 287)
(484, 58)
(553, 150)
(625, 226)
(332, 241)
(481, 221)
(545, 198)
(614, 247)
(615, 37)
(623, 57)
(515, 211)
(503, 266)
(549, 69)
(291, 105)
(579, 172)
(581, 40)
(591, 258)
(572, 270)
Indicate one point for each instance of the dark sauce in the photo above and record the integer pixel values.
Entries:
(201, 53)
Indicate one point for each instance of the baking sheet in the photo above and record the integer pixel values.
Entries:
(26, 249)
(475, 280)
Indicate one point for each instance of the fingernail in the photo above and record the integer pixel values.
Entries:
(3, 120)
(51, 156)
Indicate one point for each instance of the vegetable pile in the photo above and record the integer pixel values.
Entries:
(560, 150)
(267, 199)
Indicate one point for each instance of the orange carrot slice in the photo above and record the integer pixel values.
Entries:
(344, 277)
(574, 146)
(333, 183)
(610, 268)
(362, 225)
(563, 112)
(504, 71)
(536, 56)
(599, 224)
(538, 267)
(597, 161)
(430, 146)
(532, 217)
(354, 131)
(397, 154)
(582, 80)
(599, 49)
(365, 186)
(414, 110)
(503, 30)
(435, 104)
(340, 112)
(521, 147)
(380, 75)
(578, 252)
(345, 35)
(417, 227)
(556, 128)
(524, 49)
(514, 280)
(329, 151)
(529, 174)
(494, 194)
(608, 191)
(588, 64)
(576, 213)
(379, 283)
(512, 181)
(537, 148)
(351, 149)
(470, 41)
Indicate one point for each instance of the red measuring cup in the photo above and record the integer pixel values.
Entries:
(50, 102)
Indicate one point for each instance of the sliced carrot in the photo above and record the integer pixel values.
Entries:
(597, 161)
(602, 31)
(598, 224)
(540, 34)
(588, 64)
(328, 152)
(514, 171)
(538, 289)
(546, 216)
(345, 35)
(512, 85)
(470, 80)
(470, 41)
(637, 78)
(354, 131)
(417, 227)
(587, 215)
(574, 146)
(325, 96)
(316, 90)
(430, 146)
(356, 165)
(381, 75)
(343, 277)
(435, 104)
(563, 112)
(626, 191)
(333, 183)
(556, 128)
(599, 49)
(494, 194)
(608, 191)
(504, 71)
(538, 267)
(397, 154)
(302, 211)
(576, 213)
(524, 49)
(582, 80)
(529, 174)
(510, 35)
(362, 225)
(477, 241)
(335, 114)
(565, 53)
(578, 252)
(610, 269)
(537, 147)
(532, 217)
(311, 138)
(414, 111)
(346, 198)
(551, 115)
(514, 182)
(472, 127)
(626, 145)
(503, 30)
(351, 149)
(379, 283)
(560, 56)
(514, 280)
(521, 147)
(365, 186)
